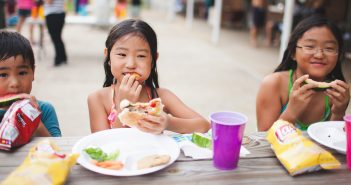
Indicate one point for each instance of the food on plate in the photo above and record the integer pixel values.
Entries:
(7, 100)
(18, 124)
(103, 160)
(153, 160)
(297, 153)
(202, 140)
(98, 154)
(321, 86)
(112, 165)
(43, 165)
(133, 112)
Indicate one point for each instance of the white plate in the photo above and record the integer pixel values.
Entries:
(330, 134)
(132, 144)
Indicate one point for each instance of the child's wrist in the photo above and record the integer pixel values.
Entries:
(337, 116)
(288, 116)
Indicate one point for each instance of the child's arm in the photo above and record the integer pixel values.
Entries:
(339, 96)
(268, 102)
(97, 113)
(42, 131)
(183, 119)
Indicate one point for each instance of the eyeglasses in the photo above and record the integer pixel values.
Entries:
(311, 50)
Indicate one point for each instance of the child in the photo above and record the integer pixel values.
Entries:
(314, 51)
(24, 11)
(17, 66)
(258, 13)
(131, 47)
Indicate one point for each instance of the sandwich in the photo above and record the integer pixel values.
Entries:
(133, 112)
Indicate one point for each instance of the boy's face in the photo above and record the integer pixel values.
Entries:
(16, 76)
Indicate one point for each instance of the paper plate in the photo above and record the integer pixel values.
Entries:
(132, 144)
(330, 134)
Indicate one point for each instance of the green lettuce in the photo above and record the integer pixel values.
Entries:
(99, 155)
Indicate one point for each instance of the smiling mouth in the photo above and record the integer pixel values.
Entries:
(318, 63)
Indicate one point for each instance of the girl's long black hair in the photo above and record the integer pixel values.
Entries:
(142, 29)
(311, 22)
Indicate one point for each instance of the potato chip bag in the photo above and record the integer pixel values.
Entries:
(297, 153)
(43, 165)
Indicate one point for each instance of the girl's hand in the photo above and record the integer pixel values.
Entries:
(300, 96)
(339, 96)
(129, 89)
(154, 124)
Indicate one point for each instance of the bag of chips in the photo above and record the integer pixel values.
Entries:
(43, 165)
(297, 153)
(18, 124)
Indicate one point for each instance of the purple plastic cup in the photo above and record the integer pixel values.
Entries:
(227, 133)
(347, 119)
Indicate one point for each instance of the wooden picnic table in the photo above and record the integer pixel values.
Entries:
(260, 167)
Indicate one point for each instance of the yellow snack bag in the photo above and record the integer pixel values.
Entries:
(297, 153)
(43, 165)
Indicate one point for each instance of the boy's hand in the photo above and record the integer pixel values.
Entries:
(34, 102)
(154, 124)
(339, 96)
(300, 96)
(129, 89)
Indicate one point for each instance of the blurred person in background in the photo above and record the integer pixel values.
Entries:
(55, 19)
(135, 9)
(121, 9)
(2, 14)
(11, 17)
(37, 17)
(258, 19)
(24, 8)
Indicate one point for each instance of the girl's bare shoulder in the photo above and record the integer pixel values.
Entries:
(276, 80)
(101, 96)
(167, 96)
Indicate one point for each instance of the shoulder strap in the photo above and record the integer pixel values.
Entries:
(327, 110)
(291, 72)
(289, 90)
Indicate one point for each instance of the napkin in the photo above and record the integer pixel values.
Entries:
(192, 150)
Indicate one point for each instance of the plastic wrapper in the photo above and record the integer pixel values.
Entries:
(297, 153)
(43, 165)
(18, 124)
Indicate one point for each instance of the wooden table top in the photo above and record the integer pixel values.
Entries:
(260, 167)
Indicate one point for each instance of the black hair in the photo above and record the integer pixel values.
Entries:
(311, 22)
(13, 44)
(142, 29)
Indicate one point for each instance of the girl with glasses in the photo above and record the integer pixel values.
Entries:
(315, 51)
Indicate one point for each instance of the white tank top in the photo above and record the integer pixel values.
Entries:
(57, 6)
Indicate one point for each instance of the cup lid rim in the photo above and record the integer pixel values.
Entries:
(244, 121)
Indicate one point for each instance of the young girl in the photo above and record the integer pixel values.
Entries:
(17, 66)
(314, 51)
(131, 47)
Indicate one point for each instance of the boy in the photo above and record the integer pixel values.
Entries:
(17, 66)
